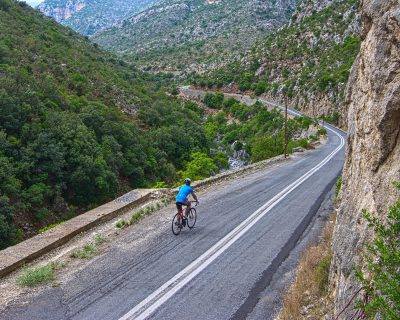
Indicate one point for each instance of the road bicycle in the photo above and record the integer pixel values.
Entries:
(179, 220)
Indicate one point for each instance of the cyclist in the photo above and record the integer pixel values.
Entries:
(181, 198)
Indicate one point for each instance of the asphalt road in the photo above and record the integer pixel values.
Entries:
(245, 230)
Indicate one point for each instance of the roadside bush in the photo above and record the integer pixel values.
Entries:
(332, 118)
(379, 273)
(263, 148)
(221, 160)
(200, 166)
(322, 132)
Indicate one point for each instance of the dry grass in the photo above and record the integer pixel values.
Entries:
(308, 296)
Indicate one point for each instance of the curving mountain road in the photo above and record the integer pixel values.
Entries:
(246, 229)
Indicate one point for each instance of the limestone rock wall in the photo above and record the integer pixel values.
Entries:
(373, 151)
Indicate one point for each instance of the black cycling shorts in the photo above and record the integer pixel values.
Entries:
(180, 204)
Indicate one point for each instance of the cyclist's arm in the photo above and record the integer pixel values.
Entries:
(194, 196)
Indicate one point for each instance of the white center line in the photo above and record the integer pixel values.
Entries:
(146, 307)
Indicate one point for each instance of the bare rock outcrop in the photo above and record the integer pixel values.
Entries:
(373, 151)
(61, 13)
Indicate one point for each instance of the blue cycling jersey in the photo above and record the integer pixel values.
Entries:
(183, 193)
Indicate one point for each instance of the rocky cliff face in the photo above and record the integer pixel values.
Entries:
(324, 27)
(91, 16)
(194, 35)
(62, 12)
(373, 151)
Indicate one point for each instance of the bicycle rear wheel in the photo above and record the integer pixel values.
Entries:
(176, 225)
(191, 218)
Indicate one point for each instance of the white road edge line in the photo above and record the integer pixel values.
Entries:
(146, 307)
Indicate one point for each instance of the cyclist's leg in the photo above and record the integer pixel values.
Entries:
(188, 206)
(180, 211)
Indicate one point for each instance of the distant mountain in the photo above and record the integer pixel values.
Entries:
(33, 3)
(193, 35)
(90, 16)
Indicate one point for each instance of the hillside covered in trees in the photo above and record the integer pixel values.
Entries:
(65, 145)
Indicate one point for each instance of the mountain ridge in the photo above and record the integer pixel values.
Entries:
(91, 16)
(190, 35)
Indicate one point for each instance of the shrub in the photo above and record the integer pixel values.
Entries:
(379, 273)
(322, 273)
(200, 166)
(332, 118)
(266, 147)
(260, 88)
(221, 160)
(213, 101)
(160, 185)
(50, 226)
(322, 132)
(136, 216)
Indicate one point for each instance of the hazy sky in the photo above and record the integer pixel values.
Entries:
(33, 3)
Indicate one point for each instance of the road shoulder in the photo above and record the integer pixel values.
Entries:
(270, 300)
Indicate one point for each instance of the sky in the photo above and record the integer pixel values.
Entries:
(33, 3)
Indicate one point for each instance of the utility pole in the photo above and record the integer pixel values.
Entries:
(286, 137)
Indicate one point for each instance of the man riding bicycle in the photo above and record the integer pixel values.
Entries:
(181, 198)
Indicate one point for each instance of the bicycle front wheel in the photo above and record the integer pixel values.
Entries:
(176, 224)
(191, 218)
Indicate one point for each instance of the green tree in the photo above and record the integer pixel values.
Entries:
(260, 88)
(213, 101)
(7, 229)
(200, 166)
(266, 147)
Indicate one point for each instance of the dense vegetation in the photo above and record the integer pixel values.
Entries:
(313, 55)
(258, 131)
(65, 145)
(379, 273)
